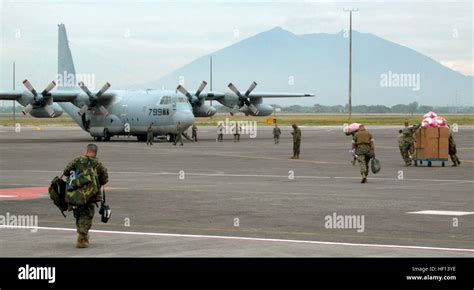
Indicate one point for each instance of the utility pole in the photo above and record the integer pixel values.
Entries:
(14, 102)
(350, 58)
(210, 77)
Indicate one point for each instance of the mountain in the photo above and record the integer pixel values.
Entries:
(383, 72)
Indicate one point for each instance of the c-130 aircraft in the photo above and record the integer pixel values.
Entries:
(110, 113)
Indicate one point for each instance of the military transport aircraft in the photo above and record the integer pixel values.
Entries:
(125, 112)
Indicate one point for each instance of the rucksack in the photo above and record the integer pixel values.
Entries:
(83, 184)
(375, 165)
(57, 193)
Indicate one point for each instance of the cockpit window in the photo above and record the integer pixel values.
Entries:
(165, 100)
(182, 100)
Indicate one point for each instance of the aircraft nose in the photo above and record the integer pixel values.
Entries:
(186, 118)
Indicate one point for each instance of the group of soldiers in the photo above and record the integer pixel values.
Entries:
(178, 137)
(363, 149)
(406, 144)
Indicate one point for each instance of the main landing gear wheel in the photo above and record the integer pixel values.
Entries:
(141, 138)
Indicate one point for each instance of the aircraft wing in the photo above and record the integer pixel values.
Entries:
(218, 95)
(212, 96)
(279, 95)
(10, 95)
(58, 96)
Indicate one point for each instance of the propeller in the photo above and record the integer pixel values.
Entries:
(195, 100)
(39, 100)
(243, 99)
(94, 100)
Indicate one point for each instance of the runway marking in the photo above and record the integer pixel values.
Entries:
(252, 239)
(260, 175)
(442, 212)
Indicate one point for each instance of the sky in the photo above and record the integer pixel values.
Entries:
(127, 43)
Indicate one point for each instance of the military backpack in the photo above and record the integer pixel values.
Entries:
(82, 185)
(57, 192)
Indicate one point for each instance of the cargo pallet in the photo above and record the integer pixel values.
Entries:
(430, 160)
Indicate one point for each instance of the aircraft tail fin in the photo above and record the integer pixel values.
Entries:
(67, 73)
(66, 70)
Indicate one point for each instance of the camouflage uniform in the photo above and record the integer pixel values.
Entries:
(84, 214)
(276, 134)
(296, 142)
(237, 130)
(179, 135)
(400, 144)
(194, 136)
(220, 133)
(408, 152)
(363, 145)
(149, 135)
(452, 151)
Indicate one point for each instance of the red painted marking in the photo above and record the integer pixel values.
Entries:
(23, 193)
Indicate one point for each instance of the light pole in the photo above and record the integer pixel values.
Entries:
(14, 102)
(350, 58)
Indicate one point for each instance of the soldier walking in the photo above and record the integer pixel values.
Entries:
(452, 151)
(400, 143)
(276, 134)
(409, 143)
(296, 141)
(84, 214)
(149, 135)
(220, 133)
(237, 130)
(363, 144)
(179, 134)
(194, 133)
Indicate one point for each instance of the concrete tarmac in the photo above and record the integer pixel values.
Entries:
(240, 199)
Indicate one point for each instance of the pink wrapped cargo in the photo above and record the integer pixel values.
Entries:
(430, 114)
(432, 120)
(351, 128)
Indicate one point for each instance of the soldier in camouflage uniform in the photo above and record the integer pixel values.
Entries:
(296, 141)
(194, 135)
(363, 144)
(237, 130)
(179, 133)
(409, 143)
(400, 143)
(276, 134)
(220, 133)
(149, 135)
(452, 151)
(84, 214)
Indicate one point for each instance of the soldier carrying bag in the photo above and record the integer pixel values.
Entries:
(104, 211)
